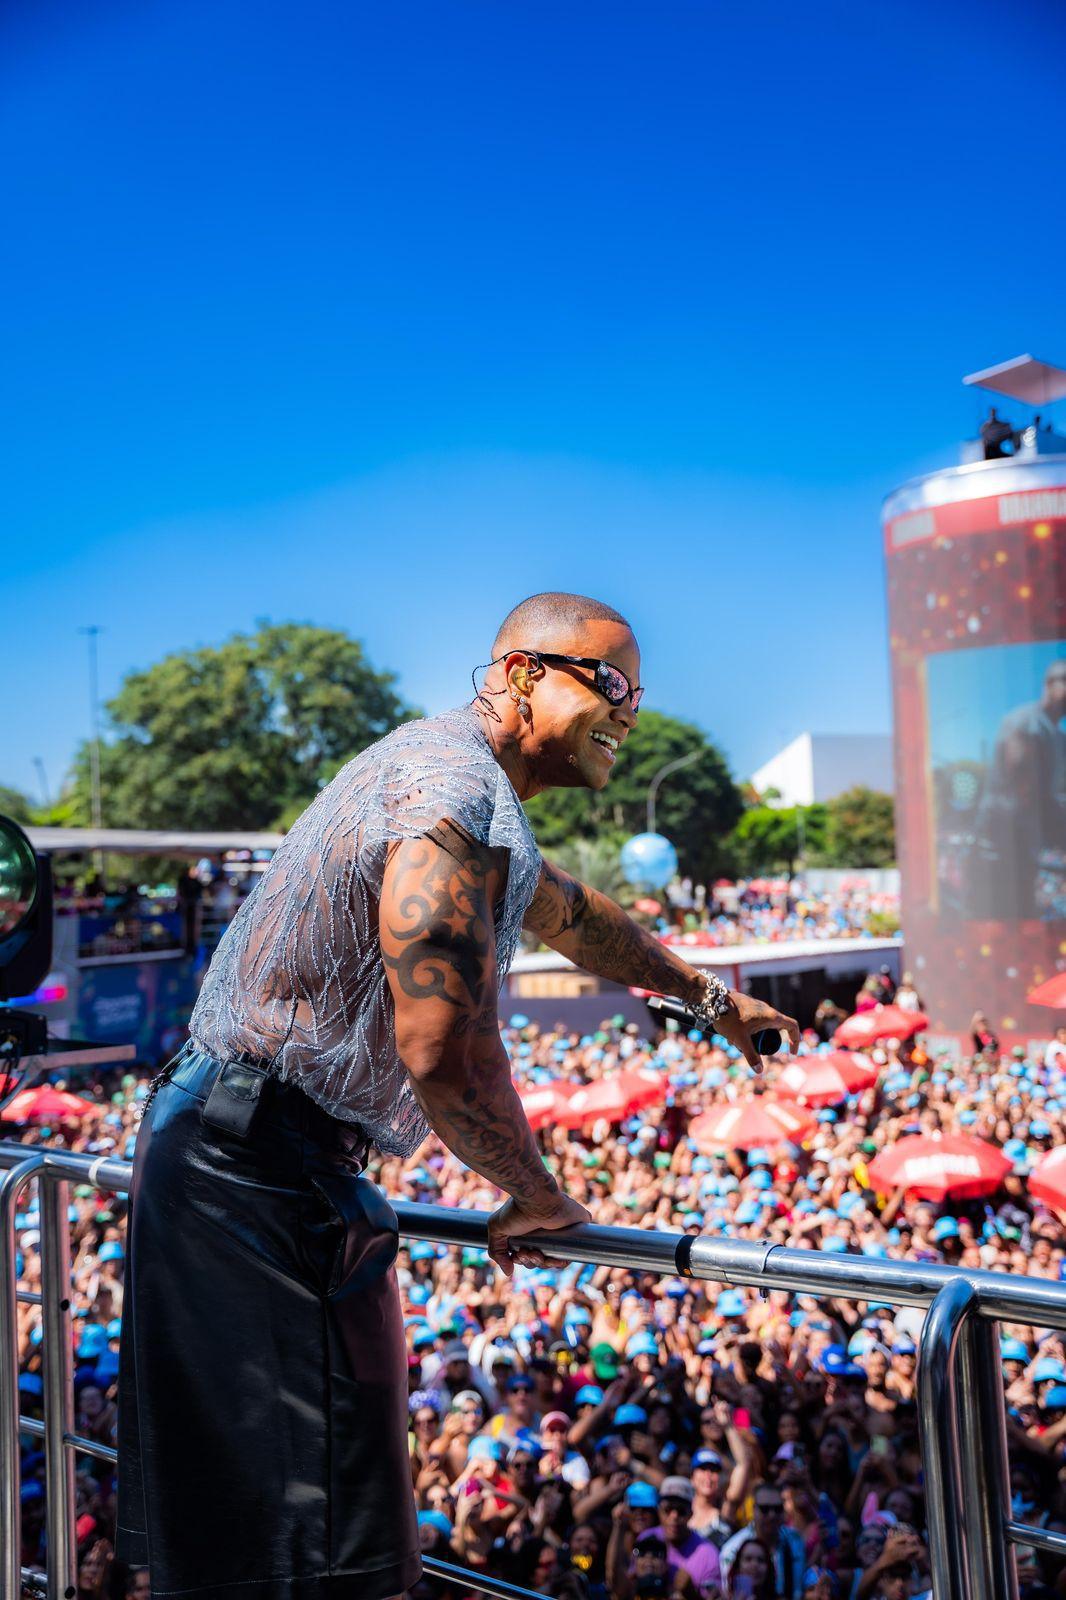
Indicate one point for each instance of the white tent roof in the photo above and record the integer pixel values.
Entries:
(144, 842)
(1023, 378)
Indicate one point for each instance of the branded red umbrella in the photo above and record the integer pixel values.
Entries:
(615, 1098)
(883, 1022)
(1050, 993)
(543, 1102)
(933, 1167)
(747, 1124)
(1047, 1181)
(826, 1080)
(45, 1104)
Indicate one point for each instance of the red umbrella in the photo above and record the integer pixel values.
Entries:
(1050, 993)
(746, 1124)
(883, 1022)
(1047, 1181)
(936, 1168)
(45, 1104)
(544, 1102)
(826, 1080)
(614, 1098)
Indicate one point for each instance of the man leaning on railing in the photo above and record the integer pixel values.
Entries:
(353, 1000)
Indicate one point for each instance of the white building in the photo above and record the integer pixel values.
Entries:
(819, 766)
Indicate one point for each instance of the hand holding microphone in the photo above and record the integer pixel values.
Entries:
(754, 1027)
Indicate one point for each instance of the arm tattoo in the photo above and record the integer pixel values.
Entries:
(594, 932)
(559, 901)
(438, 947)
(439, 939)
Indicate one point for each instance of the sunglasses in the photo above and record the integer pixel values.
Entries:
(610, 681)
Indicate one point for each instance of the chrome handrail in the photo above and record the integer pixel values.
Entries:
(961, 1412)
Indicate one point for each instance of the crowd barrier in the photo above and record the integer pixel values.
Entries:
(960, 1390)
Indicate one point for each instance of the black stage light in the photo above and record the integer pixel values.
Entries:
(25, 941)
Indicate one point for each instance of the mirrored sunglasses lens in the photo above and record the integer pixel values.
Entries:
(611, 684)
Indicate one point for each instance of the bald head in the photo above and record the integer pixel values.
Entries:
(549, 621)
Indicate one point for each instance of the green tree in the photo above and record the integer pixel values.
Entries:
(16, 805)
(696, 807)
(860, 829)
(237, 735)
(771, 839)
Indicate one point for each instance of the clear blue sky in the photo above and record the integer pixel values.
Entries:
(382, 316)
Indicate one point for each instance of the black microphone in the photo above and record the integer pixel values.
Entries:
(767, 1041)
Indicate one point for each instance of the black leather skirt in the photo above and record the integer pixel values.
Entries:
(263, 1383)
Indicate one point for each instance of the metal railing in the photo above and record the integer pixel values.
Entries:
(960, 1389)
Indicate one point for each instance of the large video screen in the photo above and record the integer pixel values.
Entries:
(997, 755)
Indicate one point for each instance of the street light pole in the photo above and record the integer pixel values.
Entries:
(664, 772)
(93, 633)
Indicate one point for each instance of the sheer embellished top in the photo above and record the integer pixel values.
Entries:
(298, 977)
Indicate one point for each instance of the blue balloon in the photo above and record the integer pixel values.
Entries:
(648, 861)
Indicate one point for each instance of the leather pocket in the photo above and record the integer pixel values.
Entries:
(370, 1231)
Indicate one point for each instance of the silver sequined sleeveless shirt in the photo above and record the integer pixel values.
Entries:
(300, 965)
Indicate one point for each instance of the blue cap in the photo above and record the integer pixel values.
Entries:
(114, 1328)
(834, 1244)
(630, 1416)
(761, 1179)
(730, 1303)
(484, 1448)
(419, 1293)
(578, 1315)
(93, 1340)
(1055, 1399)
(642, 1344)
(1012, 1350)
(759, 1158)
(1048, 1370)
(945, 1228)
(907, 1347)
(837, 1363)
(590, 1394)
(424, 1338)
(746, 1213)
(422, 1250)
(967, 1118)
(642, 1497)
(31, 1383)
(1040, 1129)
(435, 1519)
(707, 1458)
(111, 1250)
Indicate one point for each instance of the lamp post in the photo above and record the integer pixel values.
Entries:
(93, 633)
(664, 772)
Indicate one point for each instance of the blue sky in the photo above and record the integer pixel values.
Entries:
(384, 316)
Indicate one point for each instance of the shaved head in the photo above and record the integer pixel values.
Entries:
(549, 621)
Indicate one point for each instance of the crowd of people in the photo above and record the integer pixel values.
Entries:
(123, 917)
(603, 1433)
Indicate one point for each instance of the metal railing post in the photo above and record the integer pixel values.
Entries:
(54, 1199)
(11, 1186)
(985, 1469)
(938, 1421)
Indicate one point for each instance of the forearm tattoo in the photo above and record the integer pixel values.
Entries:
(595, 933)
(438, 946)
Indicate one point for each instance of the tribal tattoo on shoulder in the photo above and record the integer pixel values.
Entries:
(437, 935)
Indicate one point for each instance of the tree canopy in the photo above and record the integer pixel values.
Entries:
(696, 807)
(239, 735)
